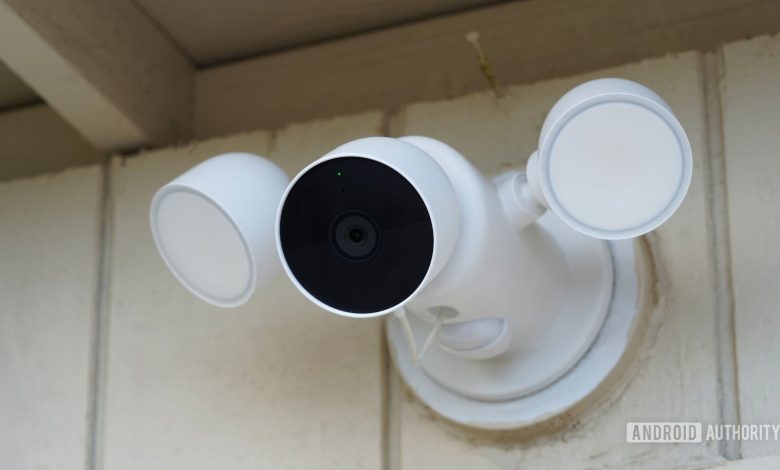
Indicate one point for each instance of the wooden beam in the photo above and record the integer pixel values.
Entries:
(524, 41)
(103, 66)
(35, 139)
(13, 91)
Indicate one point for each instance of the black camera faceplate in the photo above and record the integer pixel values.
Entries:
(345, 185)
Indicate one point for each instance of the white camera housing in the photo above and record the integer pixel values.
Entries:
(526, 310)
(426, 179)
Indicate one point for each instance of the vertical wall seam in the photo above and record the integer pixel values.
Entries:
(390, 126)
(719, 241)
(393, 429)
(98, 352)
(384, 397)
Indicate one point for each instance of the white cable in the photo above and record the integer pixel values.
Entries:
(406, 327)
(408, 334)
(432, 334)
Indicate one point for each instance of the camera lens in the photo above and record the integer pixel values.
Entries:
(355, 236)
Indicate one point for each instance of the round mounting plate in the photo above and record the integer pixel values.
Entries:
(544, 400)
(526, 368)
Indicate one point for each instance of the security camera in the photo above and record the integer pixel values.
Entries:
(365, 228)
(509, 279)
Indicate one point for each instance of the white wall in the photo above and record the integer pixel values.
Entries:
(279, 384)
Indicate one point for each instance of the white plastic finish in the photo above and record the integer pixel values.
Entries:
(576, 384)
(614, 161)
(475, 339)
(540, 308)
(548, 283)
(214, 226)
(534, 363)
(494, 270)
(518, 199)
(532, 177)
(431, 183)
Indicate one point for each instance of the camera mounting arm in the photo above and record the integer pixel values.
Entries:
(521, 203)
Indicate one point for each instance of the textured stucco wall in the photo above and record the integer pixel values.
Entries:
(106, 360)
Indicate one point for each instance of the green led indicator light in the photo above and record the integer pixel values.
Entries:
(338, 173)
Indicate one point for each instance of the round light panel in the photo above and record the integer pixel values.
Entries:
(214, 226)
(614, 161)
